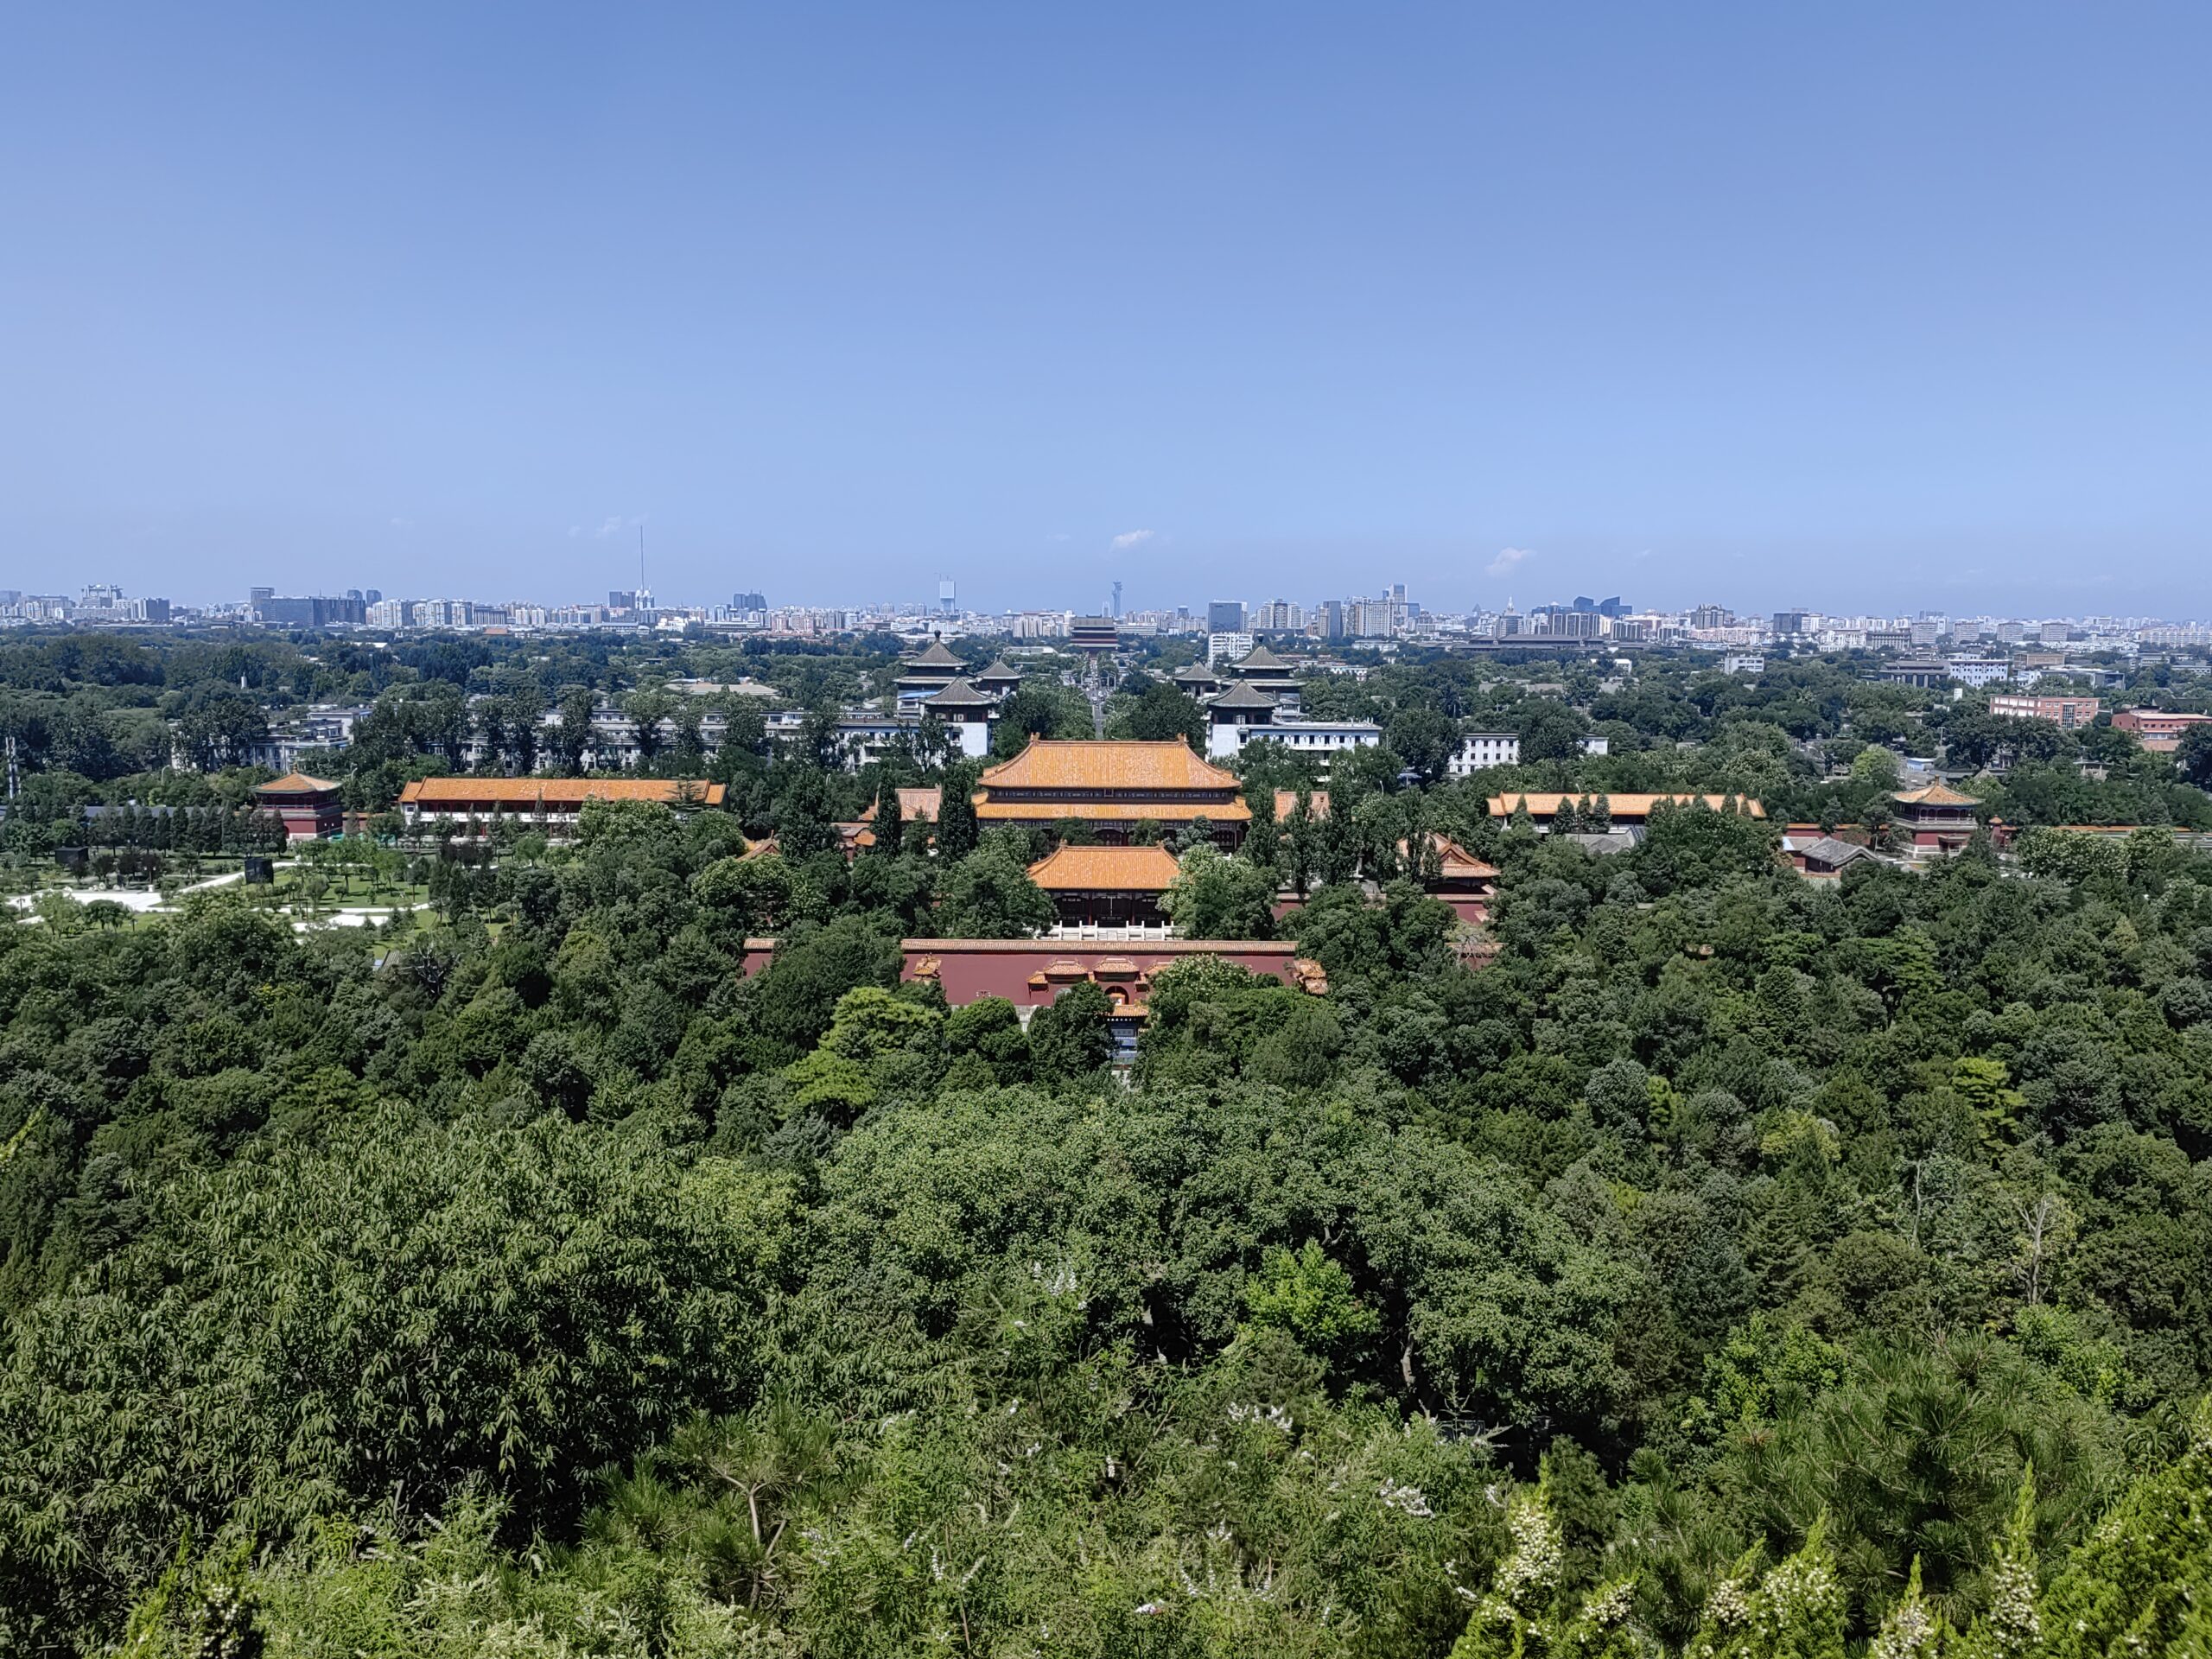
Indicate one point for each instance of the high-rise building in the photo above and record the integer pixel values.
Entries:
(1372, 618)
(748, 602)
(283, 611)
(1225, 616)
(1557, 622)
(372, 595)
(1333, 619)
(1712, 616)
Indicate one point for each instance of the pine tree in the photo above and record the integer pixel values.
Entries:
(2140, 1584)
(956, 812)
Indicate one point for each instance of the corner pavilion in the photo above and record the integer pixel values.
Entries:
(1937, 821)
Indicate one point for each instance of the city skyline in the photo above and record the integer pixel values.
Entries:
(1392, 615)
(1886, 309)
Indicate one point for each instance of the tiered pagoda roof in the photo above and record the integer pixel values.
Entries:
(1244, 694)
(1937, 795)
(1261, 660)
(959, 696)
(933, 655)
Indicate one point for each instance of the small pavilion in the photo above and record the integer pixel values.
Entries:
(309, 806)
(1937, 821)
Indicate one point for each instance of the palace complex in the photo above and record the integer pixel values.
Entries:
(549, 804)
(1112, 785)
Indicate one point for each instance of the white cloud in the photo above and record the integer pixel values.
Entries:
(1507, 560)
(613, 524)
(1130, 539)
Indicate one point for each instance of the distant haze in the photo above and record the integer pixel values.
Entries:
(1866, 307)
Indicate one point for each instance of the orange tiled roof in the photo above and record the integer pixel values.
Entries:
(1317, 803)
(1114, 764)
(1458, 864)
(1105, 869)
(1934, 795)
(293, 783)
(1232, 811)
(1543, 804)
(461, 792)
(917, 804)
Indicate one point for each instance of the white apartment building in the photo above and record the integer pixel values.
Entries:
(1322, 738)
(1978, 671)
(1371, 618)
(1228, 647)
(1479, 750)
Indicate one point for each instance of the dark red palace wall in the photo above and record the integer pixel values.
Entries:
(968, 969)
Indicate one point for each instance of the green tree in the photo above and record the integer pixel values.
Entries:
(1162, 714)
(989, 895)
(1069, 1038)
(1217, 896)
(955, 821)
(1310, 1296)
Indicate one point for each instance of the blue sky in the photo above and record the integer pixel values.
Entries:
(1881, 306)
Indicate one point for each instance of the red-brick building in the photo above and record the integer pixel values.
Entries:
(309, 806)
(2156, 729)
(2070, 713)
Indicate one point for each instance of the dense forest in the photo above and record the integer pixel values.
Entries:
(1732, 1265)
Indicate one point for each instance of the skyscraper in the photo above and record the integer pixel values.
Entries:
(1225, 616)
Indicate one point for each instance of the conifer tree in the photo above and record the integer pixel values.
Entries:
(1913, 1629)
(2141, 1582)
